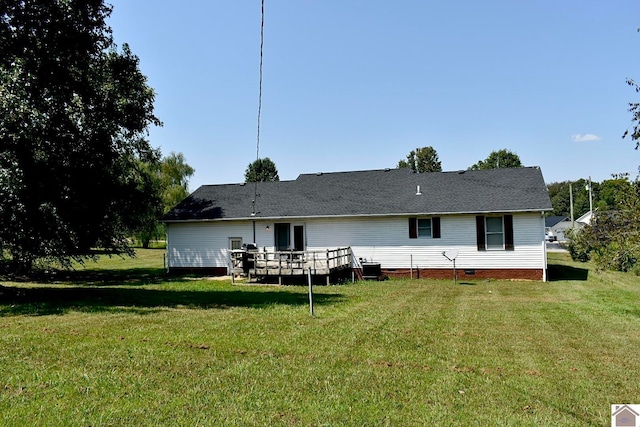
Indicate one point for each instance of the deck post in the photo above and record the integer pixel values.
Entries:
(314, 263)
(328, 264)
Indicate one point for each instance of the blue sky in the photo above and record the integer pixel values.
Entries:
(354, 84)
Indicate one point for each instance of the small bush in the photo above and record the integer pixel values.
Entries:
(580, 245)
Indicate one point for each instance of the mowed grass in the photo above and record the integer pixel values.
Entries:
(119, 343)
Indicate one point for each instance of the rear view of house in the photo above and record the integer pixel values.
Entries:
(493, 220)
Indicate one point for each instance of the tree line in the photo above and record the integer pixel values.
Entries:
(420, 160)
(425, 159)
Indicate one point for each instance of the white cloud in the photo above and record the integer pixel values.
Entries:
(587, 137)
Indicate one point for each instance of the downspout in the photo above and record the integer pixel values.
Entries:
(544, 251)
(166, 236)
(254, 232)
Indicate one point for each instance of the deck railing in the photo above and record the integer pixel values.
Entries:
(291, 263)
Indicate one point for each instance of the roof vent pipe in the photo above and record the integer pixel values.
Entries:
(418, 192)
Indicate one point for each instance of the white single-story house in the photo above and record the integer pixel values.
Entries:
(492, 220)
(557, 227)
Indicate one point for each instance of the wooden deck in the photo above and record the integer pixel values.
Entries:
(263, 265)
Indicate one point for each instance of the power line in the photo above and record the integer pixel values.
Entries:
(255, 185)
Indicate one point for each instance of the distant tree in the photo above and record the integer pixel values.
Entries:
(560, 197)
(174, 175)
(605, 195)
(423, 159)
(170, 179)
(500, 159)
(74, 116)
(611, 191)
(261, 170)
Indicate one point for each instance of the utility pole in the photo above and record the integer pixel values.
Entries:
(571, 203)
(590, 198)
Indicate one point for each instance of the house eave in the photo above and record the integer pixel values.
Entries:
(385, 215)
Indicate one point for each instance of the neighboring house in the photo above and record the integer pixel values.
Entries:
(585, 219)
(493, 219)
(557, 226)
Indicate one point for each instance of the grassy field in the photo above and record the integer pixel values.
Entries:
(119, 343)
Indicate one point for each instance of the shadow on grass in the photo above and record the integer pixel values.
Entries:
(115, 277)
(56, 300)
(559, 272)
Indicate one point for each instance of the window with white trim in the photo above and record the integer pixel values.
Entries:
(235, 243)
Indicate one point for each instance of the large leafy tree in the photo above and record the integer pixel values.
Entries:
(261, 170)
(74, 114)
(498, 160)
(420, 160)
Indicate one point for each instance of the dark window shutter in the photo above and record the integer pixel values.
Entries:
(480, 232)
(435, 227)
(413, 228)
(508, 232)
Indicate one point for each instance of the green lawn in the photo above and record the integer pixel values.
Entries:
(119, 343)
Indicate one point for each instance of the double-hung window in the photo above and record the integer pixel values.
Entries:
(424, 227)
(494, 232)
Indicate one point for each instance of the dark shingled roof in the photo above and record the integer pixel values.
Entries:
(550, 221)
(373, 192)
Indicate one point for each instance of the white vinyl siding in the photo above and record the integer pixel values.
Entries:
(206, 244)
(386, 241)
(383, 240)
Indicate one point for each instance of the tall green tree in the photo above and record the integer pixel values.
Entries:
(170, 179)
(74, 117)
(261, 170)
(174, 174)
(499, 159)
(420, 160)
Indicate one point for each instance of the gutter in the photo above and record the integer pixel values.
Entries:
(388, 215)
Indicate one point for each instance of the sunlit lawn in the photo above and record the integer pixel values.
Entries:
(121, 343)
